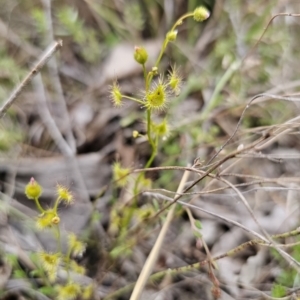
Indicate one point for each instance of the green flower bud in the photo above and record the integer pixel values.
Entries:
(171, 35)
(140, 55)
(33, 190)
(201, 14)
(154, 70)
(135, 134)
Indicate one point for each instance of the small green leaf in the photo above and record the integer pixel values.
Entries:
(198, 224)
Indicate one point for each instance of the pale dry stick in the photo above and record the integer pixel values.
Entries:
(47, 118)
(49, 52)
(152, 258)
(53, 70)
(57, 136)
(209, 257)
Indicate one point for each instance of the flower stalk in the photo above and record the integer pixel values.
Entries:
(157, 93)
(51, 262)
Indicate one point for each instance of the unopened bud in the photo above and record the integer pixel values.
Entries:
(201, 14)
(171, 35)
(155, 70)
(55, 220)
(135, 134)
(140, 55)
(33, 190)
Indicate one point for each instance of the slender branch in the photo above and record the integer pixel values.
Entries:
(49, 52)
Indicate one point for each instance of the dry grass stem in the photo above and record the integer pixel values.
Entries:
(151, 260)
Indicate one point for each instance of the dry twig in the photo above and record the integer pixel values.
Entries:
(49, 52)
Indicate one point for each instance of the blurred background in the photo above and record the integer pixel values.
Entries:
(64, 129)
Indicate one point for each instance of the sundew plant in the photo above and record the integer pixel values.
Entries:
(51, 262)
(158, 90)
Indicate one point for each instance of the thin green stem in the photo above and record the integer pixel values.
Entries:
(56, 204)
(59, 248)
(148, 164)
(38, 205)
(148, 78)
(144, 72)
(178, 22)
(68, 259)
(149, 127)
(133, 99)
(154, 152)
(161, 52)
(148, 81)
(191, 33)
